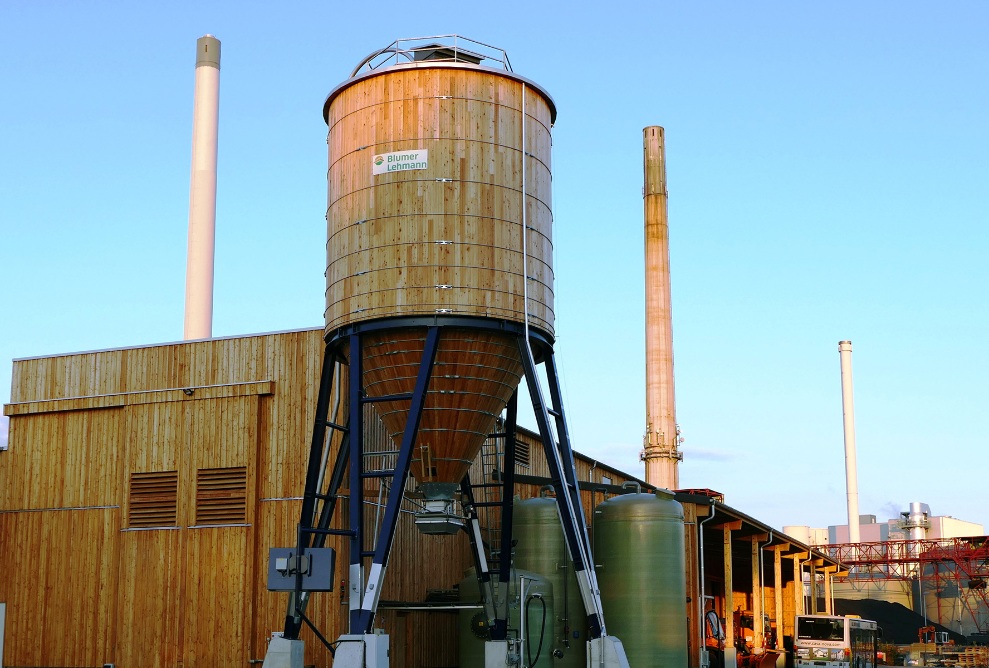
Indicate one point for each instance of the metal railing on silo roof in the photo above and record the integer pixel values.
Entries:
(443, 48)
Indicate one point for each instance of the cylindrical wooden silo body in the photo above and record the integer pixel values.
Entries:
(439, 207)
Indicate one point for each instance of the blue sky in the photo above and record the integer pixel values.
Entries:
(827, 168)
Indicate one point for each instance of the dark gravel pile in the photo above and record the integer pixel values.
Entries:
(899, 624)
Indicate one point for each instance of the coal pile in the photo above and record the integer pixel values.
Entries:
(899, 623)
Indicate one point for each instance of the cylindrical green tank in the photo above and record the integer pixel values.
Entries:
(639, 553)
(541, 548)
(537, 606)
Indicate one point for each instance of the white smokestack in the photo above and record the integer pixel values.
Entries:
(660, 442)
(202, 191)
(848, 412)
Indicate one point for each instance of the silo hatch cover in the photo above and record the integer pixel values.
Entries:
(444, 52)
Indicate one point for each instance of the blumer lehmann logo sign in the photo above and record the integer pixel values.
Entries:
(400, 161)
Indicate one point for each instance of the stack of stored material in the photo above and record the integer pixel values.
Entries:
(965, 657)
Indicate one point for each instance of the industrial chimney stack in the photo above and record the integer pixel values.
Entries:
(660, 442)
(202, 192)
(848, 413)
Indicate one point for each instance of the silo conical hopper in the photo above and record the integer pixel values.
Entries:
(439, 213)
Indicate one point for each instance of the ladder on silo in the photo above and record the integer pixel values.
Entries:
(492, 463)
(486, 496)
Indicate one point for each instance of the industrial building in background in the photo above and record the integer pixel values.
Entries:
(935, 565)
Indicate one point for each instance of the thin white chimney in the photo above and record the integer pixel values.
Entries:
(848, 413)
(202, 192)
(660, 443)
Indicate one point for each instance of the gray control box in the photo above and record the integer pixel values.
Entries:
(315, 564)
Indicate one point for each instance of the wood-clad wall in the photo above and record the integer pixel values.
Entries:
(181, 594)
(87, 582)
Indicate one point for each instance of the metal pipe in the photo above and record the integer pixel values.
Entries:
(660, 441)
(523, 622)
(202, 192)
(848, 413)
(525, 233)
(762, 590)
(700, 551)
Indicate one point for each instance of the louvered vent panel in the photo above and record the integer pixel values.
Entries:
(153, 499)
(522, 454)
(221, 495)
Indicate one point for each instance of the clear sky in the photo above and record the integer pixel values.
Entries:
(827, 168)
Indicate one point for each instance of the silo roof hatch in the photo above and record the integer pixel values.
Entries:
(444, 52)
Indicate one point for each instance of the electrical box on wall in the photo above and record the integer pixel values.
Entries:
(285, 564)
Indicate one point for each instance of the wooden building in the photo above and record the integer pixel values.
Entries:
(143, 487)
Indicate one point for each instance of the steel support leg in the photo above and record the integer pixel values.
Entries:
(297, 599)
(560, 459)
(362, 616)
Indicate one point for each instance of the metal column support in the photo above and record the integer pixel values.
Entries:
(559, 456)
(499, 630)
(362, 615)
(312, 531)
(508, 492)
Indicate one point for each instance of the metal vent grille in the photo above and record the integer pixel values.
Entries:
(153, 499)
(522, 454)
(221, 495)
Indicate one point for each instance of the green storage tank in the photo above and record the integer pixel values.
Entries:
(639, 553)
(472, 624)
(541, 548)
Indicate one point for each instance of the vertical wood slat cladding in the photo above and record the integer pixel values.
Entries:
(64, 460)
(150, 598)
(216, 602)
(58, 578)
(154, 597)
(291, 357)
(449, 235)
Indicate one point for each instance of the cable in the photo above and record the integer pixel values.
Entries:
(542, 630)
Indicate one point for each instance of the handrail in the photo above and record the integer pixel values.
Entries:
(442, 48)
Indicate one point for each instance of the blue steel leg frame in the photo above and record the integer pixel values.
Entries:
(560, 459)
(307, 534)
(362, 614)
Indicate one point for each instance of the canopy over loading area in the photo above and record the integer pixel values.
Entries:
(755, 578)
